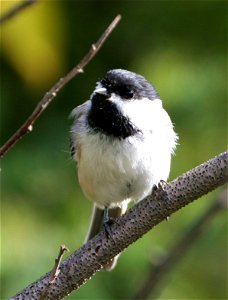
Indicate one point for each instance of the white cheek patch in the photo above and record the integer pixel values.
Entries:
(144, 113)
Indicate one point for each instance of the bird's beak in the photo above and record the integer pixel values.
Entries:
(102, 91)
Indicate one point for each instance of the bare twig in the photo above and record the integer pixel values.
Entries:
(55, 272)
(85, 262)
(151, 286)
(15, 10)
(51, 94)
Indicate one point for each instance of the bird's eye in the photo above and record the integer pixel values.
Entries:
(128, 94)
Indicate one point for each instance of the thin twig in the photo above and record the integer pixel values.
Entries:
(80, 266)
(15, 10)
(55, 271)
(51, 94)
(152, 285)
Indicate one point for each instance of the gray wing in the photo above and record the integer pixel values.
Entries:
(79, 114)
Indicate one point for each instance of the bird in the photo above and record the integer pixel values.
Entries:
(122, 140)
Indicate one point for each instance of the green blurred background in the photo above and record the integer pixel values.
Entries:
(180, 46)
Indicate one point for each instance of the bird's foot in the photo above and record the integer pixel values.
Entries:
(162, 184)
(108, 222)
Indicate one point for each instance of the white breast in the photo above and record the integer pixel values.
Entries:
(112, 171)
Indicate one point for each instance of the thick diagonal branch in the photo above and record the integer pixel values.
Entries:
(167, 199)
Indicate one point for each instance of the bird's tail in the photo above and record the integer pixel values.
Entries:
(96, 224)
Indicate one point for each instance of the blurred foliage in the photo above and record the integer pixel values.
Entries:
(180, 46)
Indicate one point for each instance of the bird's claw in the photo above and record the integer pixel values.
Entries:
(108, 223)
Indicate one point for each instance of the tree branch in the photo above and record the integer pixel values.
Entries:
(51, 94)
(167, 199)
(15, 10)
(163, 265)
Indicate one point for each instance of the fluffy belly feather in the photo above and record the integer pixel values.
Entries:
(117, 171)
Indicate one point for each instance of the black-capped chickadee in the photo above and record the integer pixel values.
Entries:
(122, 140)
